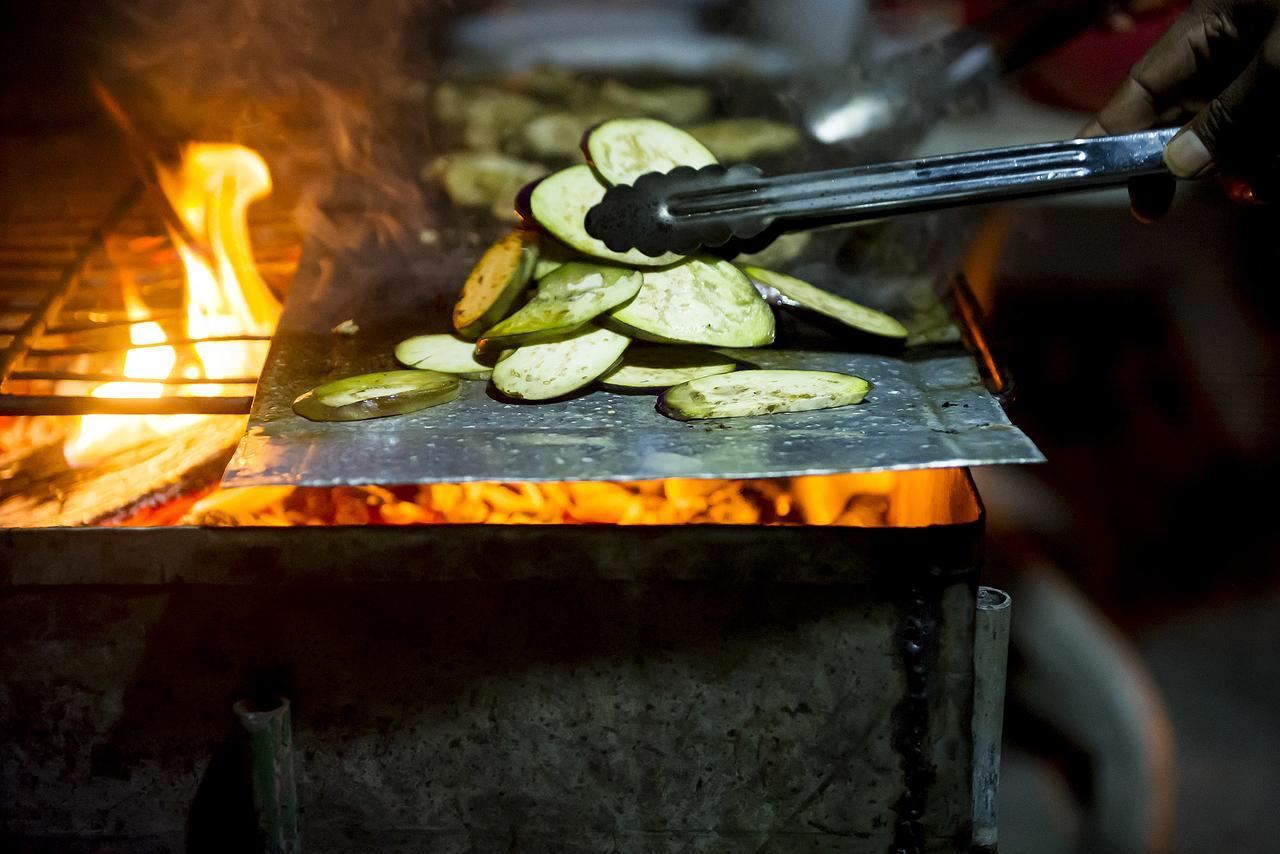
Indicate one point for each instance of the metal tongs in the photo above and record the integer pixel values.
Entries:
(686, 208)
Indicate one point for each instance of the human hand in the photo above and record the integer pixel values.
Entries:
(1220, 63)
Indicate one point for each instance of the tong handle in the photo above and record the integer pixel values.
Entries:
(686, 208)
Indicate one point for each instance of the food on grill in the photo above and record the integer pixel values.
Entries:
(698, 301)
(552, 255)
(559, 204)
(657, 368)
(483, 179)
(556, 368)
(761, 393)
(444, 353)
(376, 395)
(622, 150)
(555, 136)
(483, 116)
(679, 105)
(796, 293)
(783, 250)
(566, 299)
(495, 282)
(742, 140)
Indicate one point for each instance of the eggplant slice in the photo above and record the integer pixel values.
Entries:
(698, 301)
(800, 294)
(444, 353)
(495, 282)
(656, 368)
(376, 395)
(622, 150)
(566, 299)
(556, 368)
(745, 393)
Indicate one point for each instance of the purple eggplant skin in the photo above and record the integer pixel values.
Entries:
(524, 204)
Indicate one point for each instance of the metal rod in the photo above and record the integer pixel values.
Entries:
(176, 342)
(58, 404)
(990, 664)
(275, 795)
(73, 376)
(52, 301)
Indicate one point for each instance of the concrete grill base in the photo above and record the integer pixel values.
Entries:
(771, 712)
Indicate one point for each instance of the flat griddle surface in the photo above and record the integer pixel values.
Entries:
(929, 407)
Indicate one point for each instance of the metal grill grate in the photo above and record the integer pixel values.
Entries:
(64, 329)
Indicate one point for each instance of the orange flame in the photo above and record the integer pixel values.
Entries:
(210, 190)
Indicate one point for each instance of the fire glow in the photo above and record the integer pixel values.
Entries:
(225, 297)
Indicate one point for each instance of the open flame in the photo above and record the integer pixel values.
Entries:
(210, 191)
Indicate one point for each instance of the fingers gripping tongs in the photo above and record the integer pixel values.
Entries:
(685, 208)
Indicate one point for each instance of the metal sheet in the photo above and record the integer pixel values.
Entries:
(928, 409)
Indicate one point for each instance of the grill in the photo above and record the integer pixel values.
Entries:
(498, 687)
(66, 254)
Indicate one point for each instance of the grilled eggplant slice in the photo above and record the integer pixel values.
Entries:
(622, 150)
(744, 140)
(656, 368)
(495, 282)
(560, 203)
(444, 353)
(761, 393)
(376, 395)
(556, 368)
(800, 294)
(483, 179)
(680, 105)
(566, 299)
(698, 301)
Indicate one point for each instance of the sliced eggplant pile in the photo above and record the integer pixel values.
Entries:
(622, 150)
(566, 299)
(444, 353)
(655, 368)
(800, 294)
(556, 368)
(376, 395)
(588, 303)
(745, 393)
(495, 282)
(698, 301)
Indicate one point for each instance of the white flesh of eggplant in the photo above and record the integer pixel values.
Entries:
(556, 368)
(444, 353)
(745, 393)
(560, 203)
(622, 150)
(810, 297)
(566, 299)
(699, 301)
(663, 367)
(376, 395)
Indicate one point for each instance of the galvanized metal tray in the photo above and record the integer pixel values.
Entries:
(929, 407)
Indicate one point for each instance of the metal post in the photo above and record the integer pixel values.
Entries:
(275, 799)
(990, 660)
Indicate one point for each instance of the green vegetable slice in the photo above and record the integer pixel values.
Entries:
(699, 301)
(801, 294)
(566, 299)
(444, 353)
(663, 367)
(495, 282)
(622, 150)
(743, 140)
(376, 395)
(556, 368)
(559, 204)
(761, 393)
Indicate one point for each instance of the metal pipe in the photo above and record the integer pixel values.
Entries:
(275, 797)
(990, 664)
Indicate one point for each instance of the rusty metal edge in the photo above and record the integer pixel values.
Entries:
(104, 556)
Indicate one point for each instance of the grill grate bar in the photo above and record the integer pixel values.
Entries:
(64, 404)
(52, 302)
(73, 376)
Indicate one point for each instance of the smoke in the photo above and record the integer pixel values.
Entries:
(328, 92)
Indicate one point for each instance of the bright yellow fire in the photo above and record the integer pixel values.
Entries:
(211, 190)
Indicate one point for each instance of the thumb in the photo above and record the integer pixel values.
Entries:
(1238, 130)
